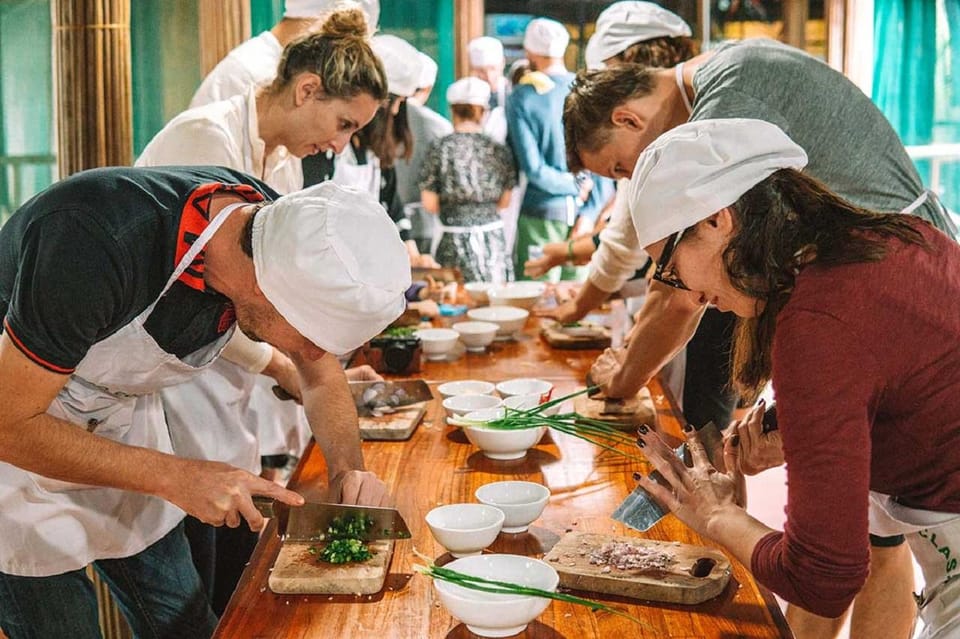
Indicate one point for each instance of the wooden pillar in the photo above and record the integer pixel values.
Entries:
(92, 83)
(467, 25)
(223, 25)
(795, 13)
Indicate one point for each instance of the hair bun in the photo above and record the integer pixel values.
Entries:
(346, 21)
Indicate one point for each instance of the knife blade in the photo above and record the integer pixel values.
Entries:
(380, 397)
(313, 520)
(640, 510)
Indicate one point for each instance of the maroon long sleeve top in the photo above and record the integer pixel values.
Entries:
(866, 368)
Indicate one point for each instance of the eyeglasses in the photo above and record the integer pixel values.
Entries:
(664, 273)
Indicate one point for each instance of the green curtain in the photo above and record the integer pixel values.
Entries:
(427, 25)
(166, 63)
(264, 14)
(910, 77)
(27, 144)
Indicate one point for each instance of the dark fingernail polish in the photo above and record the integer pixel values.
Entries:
(763, 402)
(640, 443)
(735, 440)
(637, 477)
(688, 428)
(643, 429)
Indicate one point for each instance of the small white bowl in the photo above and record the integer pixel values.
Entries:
(519, 294)
(509, 319)
(437, 342)
(525, 386)
(476, 336)
(466, 387)
(496, 443)
(489, 614)
(526, 402)
(462, 405)
(521, 502)
(478, 291)
(465, 529)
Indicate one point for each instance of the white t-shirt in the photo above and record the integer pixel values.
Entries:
(224, 133)
(253, 63)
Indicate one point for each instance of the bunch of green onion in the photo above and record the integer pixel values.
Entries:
(507, 588)
(594, 431)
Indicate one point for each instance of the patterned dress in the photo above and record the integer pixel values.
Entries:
(469, 171)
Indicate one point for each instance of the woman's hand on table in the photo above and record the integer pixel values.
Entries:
(359, 487)
(698, 496)
(754, 450)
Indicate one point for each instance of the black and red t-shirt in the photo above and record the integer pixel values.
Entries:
(86, 256)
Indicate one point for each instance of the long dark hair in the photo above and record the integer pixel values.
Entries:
(784, 222)
(388, 136)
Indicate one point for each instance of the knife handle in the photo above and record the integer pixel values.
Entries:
(264, 505)
(281, 394)
(770, 419)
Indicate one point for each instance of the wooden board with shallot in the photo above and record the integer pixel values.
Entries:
(637, 568)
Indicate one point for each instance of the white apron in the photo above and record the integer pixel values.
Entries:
(49, 527)
(347, 171)
(934, 538)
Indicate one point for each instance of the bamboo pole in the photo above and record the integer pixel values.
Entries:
(468, 24)
(224, 24)
(92, 83)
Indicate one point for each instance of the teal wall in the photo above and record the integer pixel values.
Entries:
(166, 63)
(27, 161)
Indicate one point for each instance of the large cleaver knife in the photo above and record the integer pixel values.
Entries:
(379, 398)
(312, 521)
(641, 511)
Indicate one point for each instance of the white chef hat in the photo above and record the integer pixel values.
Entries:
(469, 91)
(485, 52)
(428, 71)
(623, 24)
(331, 262)
(694, 170)
(401, 63)
(314, 8)
(546, 37)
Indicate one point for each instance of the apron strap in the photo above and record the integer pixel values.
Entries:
(201, 241)
(678, 71)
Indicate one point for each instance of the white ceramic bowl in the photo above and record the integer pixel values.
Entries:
(462, 405)
(509, 319)
(476, 336)
(526, 402)
(493, 615)
(519, 294)
(437, 342)
(525, 386)
(521, 502)
(478, 291)
(496, 443)
(466, 387)
(465, 529)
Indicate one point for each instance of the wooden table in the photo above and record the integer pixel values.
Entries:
(438, 466)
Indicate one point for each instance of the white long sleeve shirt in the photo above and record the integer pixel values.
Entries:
(251, 64)
(619, 255)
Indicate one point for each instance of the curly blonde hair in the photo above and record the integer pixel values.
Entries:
(340, 54)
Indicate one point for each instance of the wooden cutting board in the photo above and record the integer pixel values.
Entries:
(393, 426)
(625, 415)
(677, 583)
(297, 572)
(553, 335)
